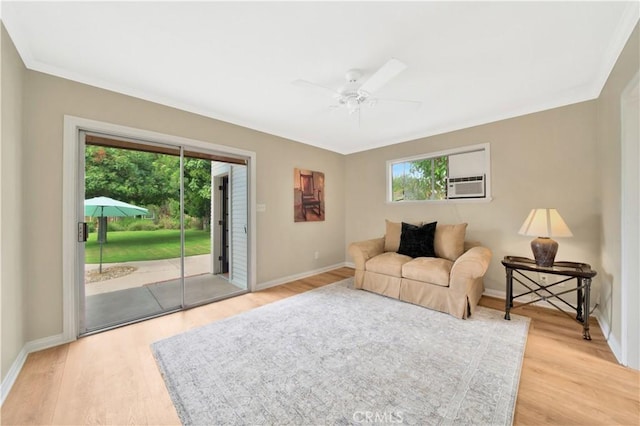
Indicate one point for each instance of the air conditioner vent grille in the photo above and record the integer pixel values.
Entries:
(467, 179)
(466, 187)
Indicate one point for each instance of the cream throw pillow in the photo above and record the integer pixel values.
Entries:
(393, 233)
(392, 236)
(449, 241)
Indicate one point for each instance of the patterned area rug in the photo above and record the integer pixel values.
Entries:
(336, 355)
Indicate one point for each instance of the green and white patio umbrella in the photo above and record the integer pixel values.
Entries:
(103, 207)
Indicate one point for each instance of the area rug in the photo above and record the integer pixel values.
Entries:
(336, 355)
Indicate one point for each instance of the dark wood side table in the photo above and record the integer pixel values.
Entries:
(582, 272)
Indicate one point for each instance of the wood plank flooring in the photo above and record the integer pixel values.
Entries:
(112, 378)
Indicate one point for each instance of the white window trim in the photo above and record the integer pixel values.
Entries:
(486, 147)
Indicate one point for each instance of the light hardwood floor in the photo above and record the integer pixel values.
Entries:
(112, 378)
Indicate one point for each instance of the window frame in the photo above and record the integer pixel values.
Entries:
(448, 152)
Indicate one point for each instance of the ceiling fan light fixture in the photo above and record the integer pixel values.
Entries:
(352, 103)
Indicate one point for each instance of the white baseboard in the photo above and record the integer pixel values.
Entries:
(29, 347)
(12, 374)
(46, 343)
(602, 321)
(498, 294)
(613, 343)
(284, 280)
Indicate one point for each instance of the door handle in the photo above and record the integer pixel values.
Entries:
(83, 232)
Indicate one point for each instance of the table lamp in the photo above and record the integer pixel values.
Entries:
(544, 224)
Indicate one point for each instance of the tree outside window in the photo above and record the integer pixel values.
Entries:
(424, 179)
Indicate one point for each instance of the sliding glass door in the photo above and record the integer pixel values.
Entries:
(154, 244)
(215, 221)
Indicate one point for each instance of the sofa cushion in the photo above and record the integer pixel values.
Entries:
(417, 241)
(387, 263)
(431, 270)
(449, 241)
(392, 236)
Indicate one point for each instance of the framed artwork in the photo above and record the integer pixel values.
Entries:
(308, 195)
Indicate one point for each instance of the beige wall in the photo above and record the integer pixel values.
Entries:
(12, 280)
(609, 152)
(547, 159)
(284, 248)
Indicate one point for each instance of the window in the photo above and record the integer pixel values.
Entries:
(417, 180)
(461, 173)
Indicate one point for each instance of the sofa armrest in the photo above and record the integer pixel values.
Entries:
(467, 268)
(365, 250)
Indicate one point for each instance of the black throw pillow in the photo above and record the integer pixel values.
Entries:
(417, 241)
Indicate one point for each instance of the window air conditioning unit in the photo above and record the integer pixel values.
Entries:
(466, 187)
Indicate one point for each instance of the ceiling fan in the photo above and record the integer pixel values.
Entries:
(354, 93)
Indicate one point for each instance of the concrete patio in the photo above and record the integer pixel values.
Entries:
(154, 287)
(148, 272)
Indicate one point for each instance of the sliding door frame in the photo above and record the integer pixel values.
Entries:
(71, 199)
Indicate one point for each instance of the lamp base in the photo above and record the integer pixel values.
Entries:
(544, 251)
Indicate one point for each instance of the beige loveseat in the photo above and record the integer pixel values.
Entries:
(450, 282)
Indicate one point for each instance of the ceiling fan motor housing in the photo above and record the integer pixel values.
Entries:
(353, 75)
(350, 94)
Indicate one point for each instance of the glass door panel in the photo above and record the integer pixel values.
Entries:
(133, 251)
(208, 214)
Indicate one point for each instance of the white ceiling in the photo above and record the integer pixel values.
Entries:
(468, 62)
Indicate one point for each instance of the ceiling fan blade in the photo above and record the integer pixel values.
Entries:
(381, 77)
(305, 83)
(417, 104)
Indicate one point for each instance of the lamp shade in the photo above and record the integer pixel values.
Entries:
(545, 223)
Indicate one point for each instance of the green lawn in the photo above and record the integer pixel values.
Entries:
(125, 246)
